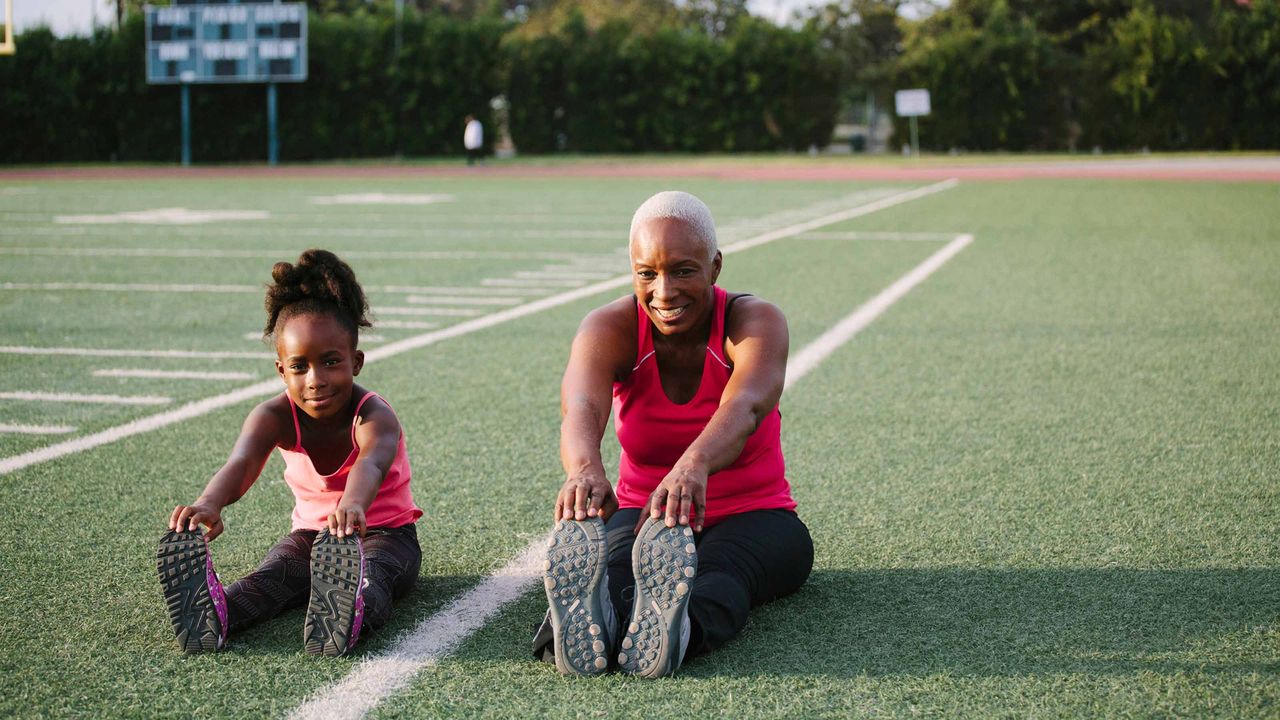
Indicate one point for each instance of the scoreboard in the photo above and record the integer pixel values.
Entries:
(227, 43)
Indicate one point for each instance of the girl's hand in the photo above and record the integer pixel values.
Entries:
(683, 493)
(188, 517)
(585, 495)
(348, 519)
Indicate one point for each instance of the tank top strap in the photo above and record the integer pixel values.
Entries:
(297, 428)
(355, 415)
(644, 336)
(715, 342)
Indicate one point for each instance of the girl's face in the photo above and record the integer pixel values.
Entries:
(318, 361)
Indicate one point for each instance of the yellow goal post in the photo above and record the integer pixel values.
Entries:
(6, 47)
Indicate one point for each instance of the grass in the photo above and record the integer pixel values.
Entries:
(1045, 483)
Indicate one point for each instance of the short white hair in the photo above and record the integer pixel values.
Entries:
(681, 206)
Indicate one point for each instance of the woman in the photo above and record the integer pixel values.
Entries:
(702, 527)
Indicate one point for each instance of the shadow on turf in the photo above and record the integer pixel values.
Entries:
(925, 622)
(1011, 622)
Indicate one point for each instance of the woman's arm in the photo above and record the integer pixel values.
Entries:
(378, 436)
(602, 350)
(259, 435)
(757, 346)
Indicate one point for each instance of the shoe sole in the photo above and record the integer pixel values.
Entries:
(573, 572)
(335, 611)
(664, 561)
(192, 593)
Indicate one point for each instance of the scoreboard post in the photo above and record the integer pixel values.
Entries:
(233, 41)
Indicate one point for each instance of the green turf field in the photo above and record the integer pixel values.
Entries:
(1046, 482)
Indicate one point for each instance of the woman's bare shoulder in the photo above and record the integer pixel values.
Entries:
(611, 319)
(751, 311)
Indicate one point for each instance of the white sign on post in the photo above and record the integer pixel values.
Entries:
(911, 103)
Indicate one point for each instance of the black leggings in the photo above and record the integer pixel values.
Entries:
(283, 580)
(744, 561)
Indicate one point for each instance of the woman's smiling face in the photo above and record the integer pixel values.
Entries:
(673, 272)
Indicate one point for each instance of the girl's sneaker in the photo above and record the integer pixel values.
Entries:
(665, 561)
(336, 609)
(583, 623)
(192, 591)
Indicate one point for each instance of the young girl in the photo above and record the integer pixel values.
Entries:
(353, 548)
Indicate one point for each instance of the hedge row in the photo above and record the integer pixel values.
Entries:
(612, 90)
(86, 99)
(1120, 74)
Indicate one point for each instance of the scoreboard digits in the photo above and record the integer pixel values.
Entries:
(227, 43)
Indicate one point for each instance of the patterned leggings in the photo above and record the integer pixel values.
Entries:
(283, 580)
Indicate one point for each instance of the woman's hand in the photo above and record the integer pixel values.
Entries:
(683, 494)
(348, 519)
(189, 517)
(585, 495)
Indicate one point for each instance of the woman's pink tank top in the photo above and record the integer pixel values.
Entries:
(654, 432)
(316, 496)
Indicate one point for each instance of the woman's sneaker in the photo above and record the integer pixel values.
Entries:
(335, 611)
(197, 604)
(583, 623)
(665, 561)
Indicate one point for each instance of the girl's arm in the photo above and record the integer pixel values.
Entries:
(259, 435)
(603, 347)
(378, 435)
(757, 347)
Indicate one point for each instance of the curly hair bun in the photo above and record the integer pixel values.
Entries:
(319, 282)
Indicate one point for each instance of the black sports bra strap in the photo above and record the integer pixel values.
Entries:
(729, 306)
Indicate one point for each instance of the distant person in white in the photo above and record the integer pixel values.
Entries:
(473, 139)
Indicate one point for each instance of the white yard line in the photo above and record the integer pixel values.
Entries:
(108, 352)
(530, 282)
(278, 254)
(172, 374)
(442, 214)
(840, 216)
(377, 676)
(164, 216)
(139, 426)
(815, 352)
(255, 289)
(81, 398)
(455, 300)
(364, 337)
(443, 217)
(134, 287)
(579, 267)
(405, 324)
(274, 231)
(382, 199)
(877, 235)
(447, 312)
(428, 290)
(562, 274)
(20, 429)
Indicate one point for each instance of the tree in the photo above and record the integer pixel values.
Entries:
(992, 76)
(866, 36)
(640, 16)
(716, 18)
